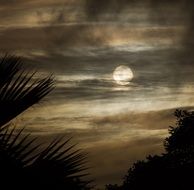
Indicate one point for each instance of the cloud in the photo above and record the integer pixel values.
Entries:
(113, 142)
(110, 162)
(75, 32)
(97, 129)
(55, 37)
(138, 121)
(157, 12)
(92, 37)
(109, 158)
(9, 2)
(162, 13)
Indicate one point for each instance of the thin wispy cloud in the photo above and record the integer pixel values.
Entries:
(82, 42)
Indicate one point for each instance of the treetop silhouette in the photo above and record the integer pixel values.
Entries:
(173, 169)
(182, 135)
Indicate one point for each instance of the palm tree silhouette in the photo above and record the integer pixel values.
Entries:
(23, 163)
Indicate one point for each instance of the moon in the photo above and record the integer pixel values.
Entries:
(123, 75)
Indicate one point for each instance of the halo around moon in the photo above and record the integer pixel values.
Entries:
(123, 75)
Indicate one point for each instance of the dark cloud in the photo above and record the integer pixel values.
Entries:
(53, 37)
(81, 40)
(9, 2)
(79, 34)
(175, 12)
(188, 41)
(160, 12)
(95, 8)
(21, 39)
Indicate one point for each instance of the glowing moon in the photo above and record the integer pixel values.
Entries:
(123, 75)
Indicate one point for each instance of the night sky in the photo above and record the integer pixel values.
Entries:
(81, 42)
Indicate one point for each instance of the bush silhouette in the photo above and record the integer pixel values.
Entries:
(174, 169)
(24, 164)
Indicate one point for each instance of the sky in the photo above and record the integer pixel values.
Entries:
(81, 42)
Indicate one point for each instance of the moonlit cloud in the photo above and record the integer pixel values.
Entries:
(81, 42)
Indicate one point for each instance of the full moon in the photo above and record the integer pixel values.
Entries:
(123, 75)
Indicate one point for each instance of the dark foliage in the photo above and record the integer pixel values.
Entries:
(160, 172)
(182, 136)
(24, 164)
(112, 187)
(171, 170)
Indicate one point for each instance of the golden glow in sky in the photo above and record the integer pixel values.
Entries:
(121, 69)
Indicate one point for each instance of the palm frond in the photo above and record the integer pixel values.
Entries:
(59, 165)
(23, 161)
(9, 66)
(70, 161)
(18, 91)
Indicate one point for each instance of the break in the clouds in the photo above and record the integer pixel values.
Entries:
(81, 42)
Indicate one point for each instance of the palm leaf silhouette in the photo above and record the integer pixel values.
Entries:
(17, 91)
(24, 162)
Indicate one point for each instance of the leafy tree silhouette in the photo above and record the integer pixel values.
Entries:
(23, 163)
(174, 169)
(182, 136)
